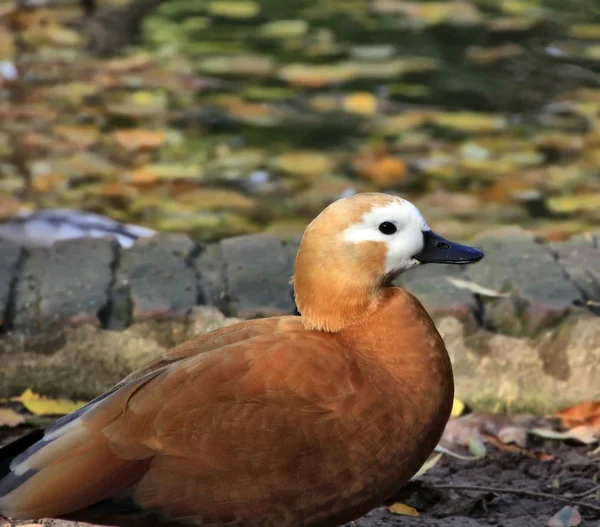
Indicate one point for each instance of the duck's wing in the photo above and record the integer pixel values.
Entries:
(191, 438)
(216, 339)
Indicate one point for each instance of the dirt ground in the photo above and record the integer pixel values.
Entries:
(573, 471)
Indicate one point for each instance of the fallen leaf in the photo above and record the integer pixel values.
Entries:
(10, 418)
(586, 413)
(39, 405)
(584, 434)
(565, 517)
(513, 448)
(403, 510)
(443, 450)
(477, 447)
(475, 288)
(458, 407)
(466, 430)
(430, 463)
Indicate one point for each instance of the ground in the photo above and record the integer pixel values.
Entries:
(574, 470)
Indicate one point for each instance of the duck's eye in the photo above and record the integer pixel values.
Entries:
(387, 227)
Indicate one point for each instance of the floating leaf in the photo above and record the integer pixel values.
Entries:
(39, 405)
(470, 122)
(234, 9)
(316, 76)
(242, 65)
(306, 164)
(402, 510)
(140, 139)
(475, 288)
(283, 29)
(363, 103)
(10, 418)
(383, 170)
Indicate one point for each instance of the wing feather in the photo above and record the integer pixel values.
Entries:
(200, 434)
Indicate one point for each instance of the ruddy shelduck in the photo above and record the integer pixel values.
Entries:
(307, 420)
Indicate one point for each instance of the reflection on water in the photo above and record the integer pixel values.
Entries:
(238, 116)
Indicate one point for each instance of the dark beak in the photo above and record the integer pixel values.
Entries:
(440, 250)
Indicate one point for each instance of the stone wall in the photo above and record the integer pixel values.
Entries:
(76, 317)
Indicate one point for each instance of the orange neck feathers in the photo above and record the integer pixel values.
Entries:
(333, 288)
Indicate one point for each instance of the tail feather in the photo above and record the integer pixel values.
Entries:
(12, 450)
(73, 464)
(72, 482)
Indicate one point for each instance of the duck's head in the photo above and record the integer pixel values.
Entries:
(356, 247)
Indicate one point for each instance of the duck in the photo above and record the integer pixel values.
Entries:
(309, 420)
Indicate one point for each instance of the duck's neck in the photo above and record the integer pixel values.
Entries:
(329, 301)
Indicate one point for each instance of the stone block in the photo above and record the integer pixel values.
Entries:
(257, 271)
(67, 283)
(155, 279)
(540, 292)
(581, 262)
(430, 284)
(10, 255)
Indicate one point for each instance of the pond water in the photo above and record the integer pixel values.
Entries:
(238, 116)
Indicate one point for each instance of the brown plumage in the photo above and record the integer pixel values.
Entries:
(288, 421)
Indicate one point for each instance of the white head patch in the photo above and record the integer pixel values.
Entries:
(402, 245)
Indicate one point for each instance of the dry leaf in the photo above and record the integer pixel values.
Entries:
(39, 405)
(587, 413)
(584, 434)
(463, 430)
(430, 463)
(458, 407)
(477, 447)
(475, 288)
(565, 517)
(401, 509)
(443, 450)
(10, 418)
(514, 448)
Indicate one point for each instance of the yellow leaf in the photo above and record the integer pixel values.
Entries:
(458, 407)
(475, 288)
(39, 405)
(430, 463)
(404, 510)
(10, 418)
(360, 103)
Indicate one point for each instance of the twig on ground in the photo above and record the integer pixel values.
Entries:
(530, 494)
(585, 493)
